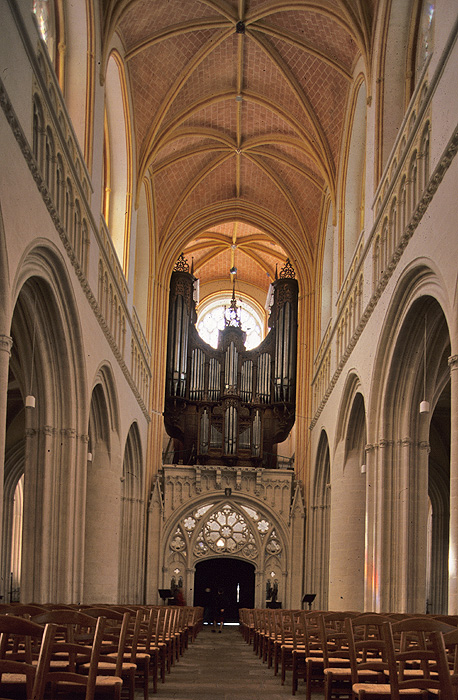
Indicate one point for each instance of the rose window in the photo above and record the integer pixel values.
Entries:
(226, 531)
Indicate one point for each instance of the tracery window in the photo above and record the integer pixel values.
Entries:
(45, 13)
(425, 36)
(226, 530)
(211, 318)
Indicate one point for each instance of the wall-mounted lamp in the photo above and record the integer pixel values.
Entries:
(363, 469)
(30, 401)
(89, 456)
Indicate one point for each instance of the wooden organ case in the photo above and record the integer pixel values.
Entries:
(230, 405)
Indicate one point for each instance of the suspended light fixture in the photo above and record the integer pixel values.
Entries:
(30, 399)
(424, 405)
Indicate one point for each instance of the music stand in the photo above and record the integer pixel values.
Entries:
(165, 594)
(309, 598)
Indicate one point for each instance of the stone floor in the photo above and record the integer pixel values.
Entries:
(223, 667)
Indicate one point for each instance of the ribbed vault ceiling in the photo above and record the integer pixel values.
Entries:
(238, 119)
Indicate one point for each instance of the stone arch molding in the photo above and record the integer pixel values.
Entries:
(224, 528)
(238, 527)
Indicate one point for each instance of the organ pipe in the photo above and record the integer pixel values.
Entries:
(230, 405)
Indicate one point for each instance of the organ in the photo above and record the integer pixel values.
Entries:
(230, 405)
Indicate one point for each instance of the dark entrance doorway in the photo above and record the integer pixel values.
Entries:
(233, 576)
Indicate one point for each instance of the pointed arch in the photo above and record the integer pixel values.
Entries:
(319, 528)
(131, 569)
(118, 179)
(103, 492)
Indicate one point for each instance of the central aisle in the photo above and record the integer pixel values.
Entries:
(222, 667)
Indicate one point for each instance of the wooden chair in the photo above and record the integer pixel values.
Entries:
(367, 651)
(165, 637)
(287, 642)
(112, 662)
(273, 638)
(308, 662)
(154, 638)
(247, 624)
(142, 659)
(410, 664)
(73, 653)
(257, 626)
(336, 654)
(67, 680)
(420, 663)
(450, 641)
(263, 632)
(17, 667)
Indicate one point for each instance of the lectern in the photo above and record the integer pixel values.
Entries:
(165, 594)
(309, 598)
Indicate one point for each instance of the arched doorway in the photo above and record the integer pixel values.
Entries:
(233, 576)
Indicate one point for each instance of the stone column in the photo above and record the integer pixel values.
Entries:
(6, 344)
(453, 545)
(296, 563)
(372, 565)
(154, 561)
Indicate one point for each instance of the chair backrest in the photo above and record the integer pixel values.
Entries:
(450, 639)
(366, 643)
(299, 630)
(23, 610)
(116, 632)
(15, 629)
(333, 636)
(417, 646)
(286, 626)
(87, 651)
(73, 625)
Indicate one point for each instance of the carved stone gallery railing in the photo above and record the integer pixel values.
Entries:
(65, 180)
(140, 358)
(402, 185)
(54, 158)
(349, 303)
(403, 195)
(112, 294)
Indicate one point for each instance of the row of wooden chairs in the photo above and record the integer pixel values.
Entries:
(365, 656)
(90, 651)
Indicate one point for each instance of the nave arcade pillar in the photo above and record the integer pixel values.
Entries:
(6, 344)
(453, 547)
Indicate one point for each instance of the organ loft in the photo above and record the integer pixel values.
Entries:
(230, 405)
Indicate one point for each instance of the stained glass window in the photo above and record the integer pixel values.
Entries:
(210, 321)
(425, 36)
(44, 12)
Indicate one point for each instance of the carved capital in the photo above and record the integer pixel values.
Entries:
(453, 362)
(424, 445)
(6, 343)
(68, 432)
